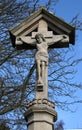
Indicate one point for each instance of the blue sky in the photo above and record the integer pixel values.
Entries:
(66, 9)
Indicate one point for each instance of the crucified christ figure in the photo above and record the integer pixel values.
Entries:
(41, 56)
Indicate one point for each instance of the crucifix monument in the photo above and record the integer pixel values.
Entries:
(41, 40)
(42, 30)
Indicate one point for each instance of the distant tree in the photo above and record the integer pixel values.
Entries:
(59, 125)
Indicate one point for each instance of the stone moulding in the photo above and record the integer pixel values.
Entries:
(40, 102)
(40, 106)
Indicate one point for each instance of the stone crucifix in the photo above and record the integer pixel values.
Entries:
(41, 40)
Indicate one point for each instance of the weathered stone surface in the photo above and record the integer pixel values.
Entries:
(41, 56)
(43, 29)
(40, 115)
(32, 25)
(38, 34)
(37, 102)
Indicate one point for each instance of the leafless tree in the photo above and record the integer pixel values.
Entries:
(59, 125)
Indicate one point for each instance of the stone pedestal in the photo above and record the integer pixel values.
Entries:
(40, 115)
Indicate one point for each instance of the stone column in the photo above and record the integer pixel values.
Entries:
(40, 115)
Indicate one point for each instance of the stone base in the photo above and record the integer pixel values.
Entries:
(40, 115)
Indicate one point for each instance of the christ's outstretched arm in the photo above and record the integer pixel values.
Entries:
(27, 40)
(58, 38)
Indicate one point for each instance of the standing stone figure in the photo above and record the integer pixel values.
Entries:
(41, 56)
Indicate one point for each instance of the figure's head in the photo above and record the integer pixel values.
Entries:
(39, 38)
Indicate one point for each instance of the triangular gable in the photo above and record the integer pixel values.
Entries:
(55, 24)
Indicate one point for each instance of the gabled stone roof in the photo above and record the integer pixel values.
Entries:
(55, 24)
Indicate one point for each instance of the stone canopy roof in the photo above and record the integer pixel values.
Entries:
(30, 24)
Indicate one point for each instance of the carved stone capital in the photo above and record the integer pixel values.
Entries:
(40, 112)
(40, 102)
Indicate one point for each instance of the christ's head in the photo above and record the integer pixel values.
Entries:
(39, 38)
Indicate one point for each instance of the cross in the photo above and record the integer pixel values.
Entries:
(43, 28)
(41, 40)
